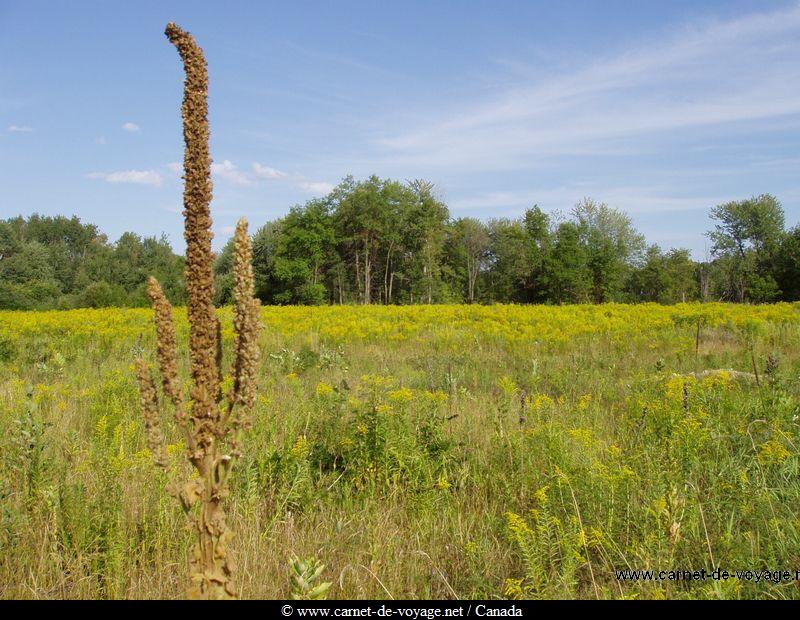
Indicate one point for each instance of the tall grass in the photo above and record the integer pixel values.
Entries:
(402, 464)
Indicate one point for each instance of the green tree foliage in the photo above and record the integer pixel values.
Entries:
(384, 241)
(567, 276)
(59, 262)
(787, 265)
(681, 285)
(664, 278)
(467, 248)
(649, 282)
(613, 247)
(31, 262)
(374, 241)
(538, 242)
(293, 258)
(362, 213)
(747, 238)
(425, 227)
(508, 266)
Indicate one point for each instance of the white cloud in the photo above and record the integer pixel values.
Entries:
(138, 177)
(227, 170)
(230, 172)
(100, 140)
(131, 127)
(315, 187)
(298, 181)
(744, 70)
(631, 199)
(265, 172)
(19, 129)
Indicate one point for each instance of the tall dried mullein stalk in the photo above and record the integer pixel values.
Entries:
(211, 421)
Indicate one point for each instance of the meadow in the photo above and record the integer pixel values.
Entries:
(421, 452)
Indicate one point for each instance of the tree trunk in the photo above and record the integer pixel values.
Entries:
(387, 289)
(367, 275)
(471, 277)
(358, 275)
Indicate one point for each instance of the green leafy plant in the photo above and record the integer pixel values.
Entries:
(305, 576)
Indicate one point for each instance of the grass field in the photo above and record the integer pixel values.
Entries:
(422, 452)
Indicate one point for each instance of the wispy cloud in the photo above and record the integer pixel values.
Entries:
(19, 129)
(131, 127)
(706, 75)
(230, 172)
(634, 199)
(265, 172)
(137, 177)
(315, 187)
(328, 58)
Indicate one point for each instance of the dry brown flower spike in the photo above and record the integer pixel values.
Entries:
(212, 427)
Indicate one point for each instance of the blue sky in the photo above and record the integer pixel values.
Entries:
(662, 109)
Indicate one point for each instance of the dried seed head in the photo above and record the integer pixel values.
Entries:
(197, 231)
(242, 263)
(152, 417)
(211, 568)
(218, 359)
(247, 352)
(166, 341)
(246, 321)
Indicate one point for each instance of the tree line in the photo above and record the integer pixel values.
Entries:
(61, 263)
(380, 241)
